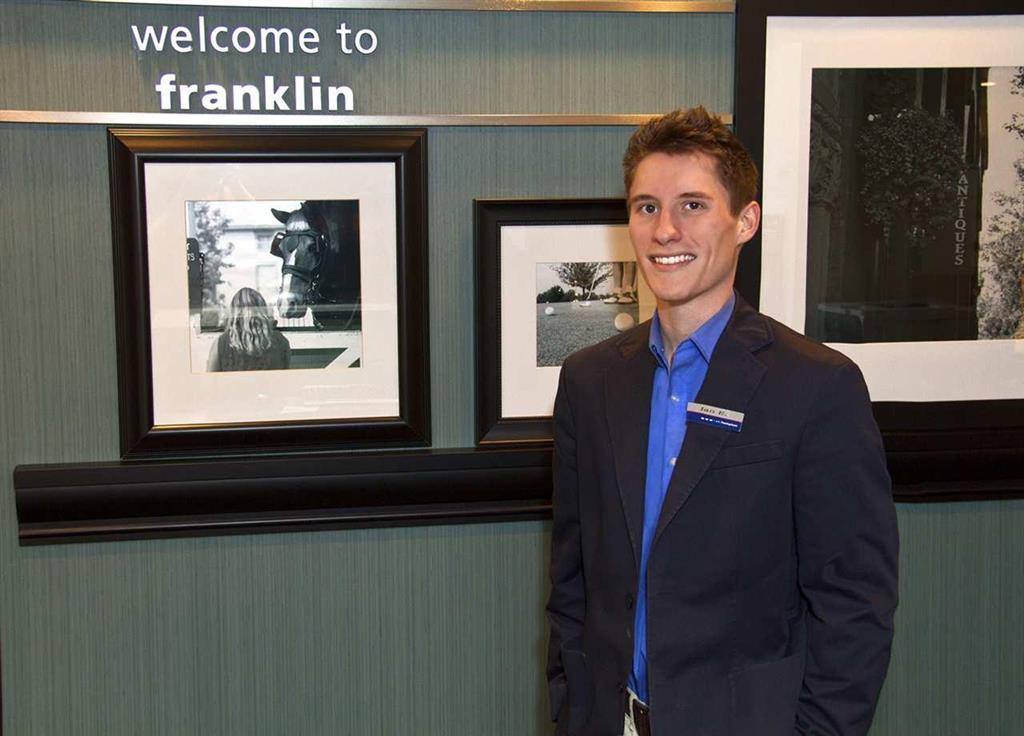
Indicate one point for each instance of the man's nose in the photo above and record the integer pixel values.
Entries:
(665, 229)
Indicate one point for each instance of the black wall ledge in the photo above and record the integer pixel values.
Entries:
(152, 499)
(310, 491)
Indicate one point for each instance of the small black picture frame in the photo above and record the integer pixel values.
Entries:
(496, 424)
(157, 175)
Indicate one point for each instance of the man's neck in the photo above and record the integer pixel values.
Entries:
(679, 321)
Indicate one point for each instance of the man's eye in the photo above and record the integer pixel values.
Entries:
(693, 206)
(648, 208)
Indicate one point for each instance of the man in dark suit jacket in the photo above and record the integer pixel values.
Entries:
(724, 544)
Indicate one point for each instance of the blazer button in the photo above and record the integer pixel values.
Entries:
(630, 600)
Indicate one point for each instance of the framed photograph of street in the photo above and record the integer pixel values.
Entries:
(890, 138)
(553, 276)
(271, 289)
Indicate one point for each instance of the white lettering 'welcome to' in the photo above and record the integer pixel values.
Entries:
(222, 39)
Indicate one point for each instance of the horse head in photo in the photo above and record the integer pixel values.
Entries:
(302, 250)
(319, 250)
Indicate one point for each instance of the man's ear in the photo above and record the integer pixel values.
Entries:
(748, 222)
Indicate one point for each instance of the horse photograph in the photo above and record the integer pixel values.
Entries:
(274, 285)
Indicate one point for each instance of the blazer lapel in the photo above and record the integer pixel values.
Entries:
(627, 393)
(733, 376)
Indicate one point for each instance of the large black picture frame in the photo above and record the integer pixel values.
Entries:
(132, 150)
(493, 426)
(938, 450)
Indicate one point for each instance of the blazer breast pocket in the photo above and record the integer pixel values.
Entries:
(757, 452)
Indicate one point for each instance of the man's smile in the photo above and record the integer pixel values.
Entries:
(673, 260)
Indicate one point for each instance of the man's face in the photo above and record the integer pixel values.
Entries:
(687, 241)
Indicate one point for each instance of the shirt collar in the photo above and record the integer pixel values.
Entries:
(704, 337)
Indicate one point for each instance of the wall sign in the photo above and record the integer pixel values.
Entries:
(265, 93)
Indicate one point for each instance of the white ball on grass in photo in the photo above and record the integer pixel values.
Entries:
(624, 321)
(549, 311)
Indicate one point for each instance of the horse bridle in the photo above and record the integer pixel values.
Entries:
(310, 275)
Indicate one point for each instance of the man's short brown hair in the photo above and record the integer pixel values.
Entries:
(696, 131)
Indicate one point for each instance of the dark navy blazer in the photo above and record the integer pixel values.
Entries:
(772, 578)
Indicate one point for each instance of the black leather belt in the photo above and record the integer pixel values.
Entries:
(641, 715)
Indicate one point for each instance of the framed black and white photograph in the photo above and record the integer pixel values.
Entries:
(268, 290)
(271, 289)
(580, 303)
(891, 144)
(553, 276)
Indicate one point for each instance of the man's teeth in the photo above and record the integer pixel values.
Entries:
(669, 260)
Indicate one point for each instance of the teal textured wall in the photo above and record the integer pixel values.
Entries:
(387, 632)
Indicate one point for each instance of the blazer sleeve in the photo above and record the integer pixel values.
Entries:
(567, 602)
(847, 549)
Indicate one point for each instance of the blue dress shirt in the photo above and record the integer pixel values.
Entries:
(672, 390)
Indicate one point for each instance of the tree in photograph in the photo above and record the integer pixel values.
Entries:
(1016, 124)
(1001, 303)
(911, 165)
(584, 275)
(555, 294)
(209, 224)
(1002, 269)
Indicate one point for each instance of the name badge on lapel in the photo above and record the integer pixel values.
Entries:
(722, 418)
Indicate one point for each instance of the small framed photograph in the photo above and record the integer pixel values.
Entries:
(890, 138)
(271, 289)
(553, 276)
